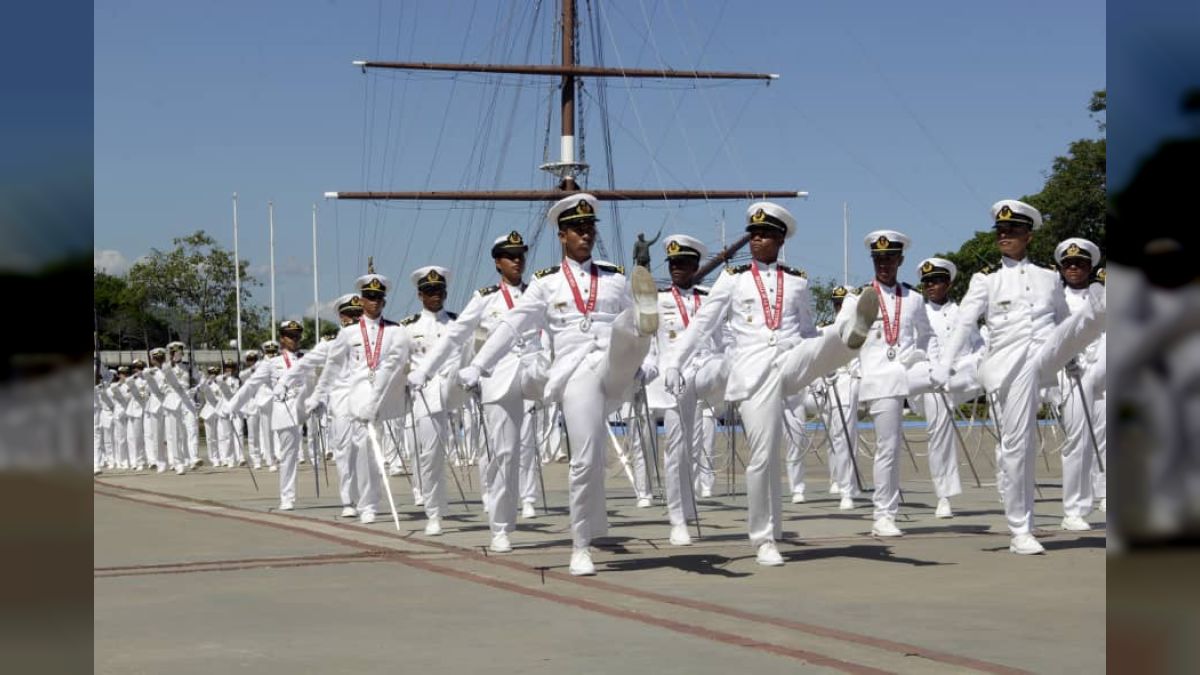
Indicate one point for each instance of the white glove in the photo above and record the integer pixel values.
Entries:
(417, 379)
(368, 413)
(939, 375)
(469, 377)
(646, 372)
(226, 409)
(280, 392)
(673, 380)
(314, 406)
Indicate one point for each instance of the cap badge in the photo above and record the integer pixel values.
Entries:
(882, 243)
(1073, 250)
(927, 267)
(373, 285)
(673, 247)
(514, 238)
(433, 277)
(583, 207)
(356, 301)
(1005, 213)
(759, 216)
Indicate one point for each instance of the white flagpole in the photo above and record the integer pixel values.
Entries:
(237, 281)
(316, 290)
(271, 219)
(845, 244)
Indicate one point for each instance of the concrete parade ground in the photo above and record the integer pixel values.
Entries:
(201, 574)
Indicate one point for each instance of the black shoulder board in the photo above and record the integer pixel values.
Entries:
(857, 290)
(611, 268)
(699, 291)
(410, 320)
(549, 270)
(452, 315)
(908, 286)
(388, 322)
(793, 271)
(488, 290)
(665, 289)
(989, 268)
(736, 269)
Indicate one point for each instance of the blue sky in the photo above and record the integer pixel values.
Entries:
(918, 115)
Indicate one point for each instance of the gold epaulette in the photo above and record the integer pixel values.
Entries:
(408, 321)
(549, 270)
(794, 272)
(609, 267)
(488, 290)
(738, 269)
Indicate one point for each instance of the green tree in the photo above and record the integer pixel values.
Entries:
(310, 337)
(1073, 202)
(822, 295)
(121, 317)
(191, 288)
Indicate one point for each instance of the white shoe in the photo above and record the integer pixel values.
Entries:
(1104, 505)
(139, 467)
(198, 463)
(1025, 544)
(581, 560)
(329, 455)
(274, 468)
(705, 492)
(835, 489)
(847, 503)
(286, 506)
(303, 460)
(366, 517)
(855, 331)
(885, 526)
(943, 509)
(527, 510)
(349, 512)
(644, 503)
(500, 543)
(433, 527)
(680, 536)
(1075, 524)
(768, 555)
(241, 462)
(258, 466)
(645, 300)
(181, 469)
(797, 497)
(162, 468)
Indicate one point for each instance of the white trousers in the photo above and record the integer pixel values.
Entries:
(1100, 478)
(798, 441)
(135, 440)
(225, 445)
(339, 440)
(887, 414)
(152, 431)
(590, 391)
(211, 441)
(266, 440)
(504, 420)
(176, 435)
(531, 466)
(703, 475)
(361, 463)
(762, 417)
(680, 423)
(842, 424)
(432, 431)
(943, 446)
(287, 442)
(1078, 455)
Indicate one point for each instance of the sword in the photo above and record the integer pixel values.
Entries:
(373, 437)
(837, 398)
(537, 459)
(1087, 416)
(652, 430)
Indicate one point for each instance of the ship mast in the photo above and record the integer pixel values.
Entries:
(567, 168)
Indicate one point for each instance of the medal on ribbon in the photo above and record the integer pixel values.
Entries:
(372, 359)
(585, 309)
(891, 330)
(771, 319)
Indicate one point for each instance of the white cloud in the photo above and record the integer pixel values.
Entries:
(110, 261)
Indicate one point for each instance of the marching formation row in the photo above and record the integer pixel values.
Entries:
(581, 342)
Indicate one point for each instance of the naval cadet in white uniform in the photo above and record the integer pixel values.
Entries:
(936, 276)
(704, 378)
(776, 351)
(599, 332)
(363, 386)
(899, 336)
(1076, 257)
(507, 427)
(349, 309)
(287, 412)
(1029, 338)
(431, 405)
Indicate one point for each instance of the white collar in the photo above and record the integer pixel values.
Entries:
(372, 322)
(1009, 262)
(586, 264)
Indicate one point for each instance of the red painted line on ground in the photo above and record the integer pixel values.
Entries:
(239, 561)
(812, 629)
(232, 568)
